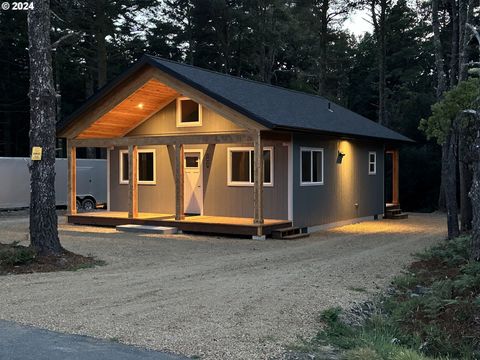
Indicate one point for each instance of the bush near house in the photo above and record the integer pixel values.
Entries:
(432, 312)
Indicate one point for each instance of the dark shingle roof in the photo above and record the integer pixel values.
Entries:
(272, 106)
(277, 107)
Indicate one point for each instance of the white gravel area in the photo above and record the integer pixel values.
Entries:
(213, 297)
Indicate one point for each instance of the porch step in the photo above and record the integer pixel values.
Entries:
(147, 229)
(395, 216)
(394, 211)
(392, 206)
(289, 233)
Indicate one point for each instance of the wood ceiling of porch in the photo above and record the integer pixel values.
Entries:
(131, 112)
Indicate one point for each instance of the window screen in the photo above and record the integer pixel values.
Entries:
(311, 166)
(145, 166)
(240, 166)
(243, 166)
(124, 166)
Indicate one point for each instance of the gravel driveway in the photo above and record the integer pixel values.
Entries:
(218, 298)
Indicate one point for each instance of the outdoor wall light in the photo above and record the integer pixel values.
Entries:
(340, 157)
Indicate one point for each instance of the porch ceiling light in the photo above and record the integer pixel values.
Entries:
(140, 106)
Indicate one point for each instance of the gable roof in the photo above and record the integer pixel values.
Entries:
(274, 107)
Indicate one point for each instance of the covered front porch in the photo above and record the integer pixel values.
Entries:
(197, 223)
(175, 144)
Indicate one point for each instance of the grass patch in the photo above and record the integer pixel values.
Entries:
(357, 289)
(434, 313)
(18, 259)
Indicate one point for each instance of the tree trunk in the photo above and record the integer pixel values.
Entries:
(43, 217)
(101, 43)
(465, 179)
(441, 87)
(475, 197)
(382, 102)
(322, 69)
(437, 43)
(449, 174)
(379, 24)
(455, 42)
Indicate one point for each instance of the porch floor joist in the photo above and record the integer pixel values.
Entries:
(200, 224)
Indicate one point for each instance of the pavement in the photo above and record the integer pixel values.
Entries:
(18, 342)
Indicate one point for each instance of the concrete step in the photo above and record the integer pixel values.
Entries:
(392, 206)
(147, 229)
(394, 211)
(396, 216)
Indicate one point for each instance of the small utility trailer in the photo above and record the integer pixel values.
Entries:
(91, 183)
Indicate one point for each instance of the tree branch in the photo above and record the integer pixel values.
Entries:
(63, 38)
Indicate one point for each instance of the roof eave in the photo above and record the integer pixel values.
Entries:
(63, 125)
(345, 135)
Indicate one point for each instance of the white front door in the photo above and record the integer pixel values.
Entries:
(193, 187)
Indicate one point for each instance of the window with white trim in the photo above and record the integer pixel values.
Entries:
(146, 173)
(372, 163)
(241, 166)
(311, 166)
(189, 113)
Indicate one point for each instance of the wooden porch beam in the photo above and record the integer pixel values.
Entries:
(132, 182)
(223, 138)
(258, 180)
(72, 179)
(179, 183)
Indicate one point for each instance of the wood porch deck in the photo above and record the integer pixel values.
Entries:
(197, 223)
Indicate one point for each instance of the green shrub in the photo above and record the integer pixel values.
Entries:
(453, 252)
(14, 254)
(406, 354)
(405, 281)
(362, 353)
(336, 332)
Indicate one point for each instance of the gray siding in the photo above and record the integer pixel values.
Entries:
(219, 198)
(151, 198)
(344, 185)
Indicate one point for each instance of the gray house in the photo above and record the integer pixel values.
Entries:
(209, 152)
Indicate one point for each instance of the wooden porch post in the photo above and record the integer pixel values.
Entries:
(72, 179)
(395, 177)
(132, 182)
(179, 182)
(258, 179)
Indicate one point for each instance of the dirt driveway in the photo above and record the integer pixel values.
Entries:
(217, 298)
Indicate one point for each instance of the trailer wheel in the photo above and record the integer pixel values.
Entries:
(88, 204)
(79, 205)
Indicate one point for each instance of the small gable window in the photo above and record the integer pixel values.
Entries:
(311, 166)
(189, 113)
(146, 166)
(372, 163)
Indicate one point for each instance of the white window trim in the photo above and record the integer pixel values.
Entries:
(311, 150)
(179, 114)
(124, 182)
(374, 172)
(246, 183)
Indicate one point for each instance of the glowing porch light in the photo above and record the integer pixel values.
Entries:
(140, 106)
